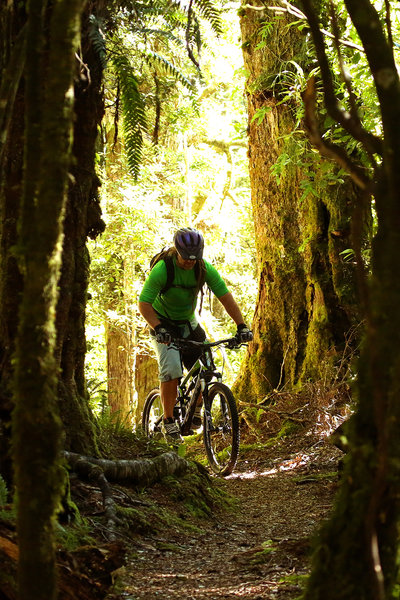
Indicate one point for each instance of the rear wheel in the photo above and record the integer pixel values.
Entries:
(152, 416)
(221, 430)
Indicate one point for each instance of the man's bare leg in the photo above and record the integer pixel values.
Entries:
(169, 390)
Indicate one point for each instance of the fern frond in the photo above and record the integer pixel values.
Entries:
(167, 68)
(209, 11)
(170, 11)
(159, 33)
(133, 109)
(98, 40)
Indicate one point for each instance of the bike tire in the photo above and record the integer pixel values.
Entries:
(152, 415)
(222, 435)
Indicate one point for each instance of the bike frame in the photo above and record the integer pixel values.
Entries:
(207, 373)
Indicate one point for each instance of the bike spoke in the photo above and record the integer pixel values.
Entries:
(154, 416)
(221, 435)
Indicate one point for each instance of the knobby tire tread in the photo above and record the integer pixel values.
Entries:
(214, 389)
(146, 409)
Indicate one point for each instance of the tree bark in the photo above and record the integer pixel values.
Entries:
(36, 423)
(144, 471)
(12, 21)
(356, 554)
(83, 219)
(146, 379)
(119, 372)
(306, 300)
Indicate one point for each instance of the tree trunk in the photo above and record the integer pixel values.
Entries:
(83, 219)
(146, 378)
(119, 372)
(11, 160)
(357, 551)
(306, 300)
(36, 423)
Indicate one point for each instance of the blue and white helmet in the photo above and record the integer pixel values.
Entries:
(189, 243)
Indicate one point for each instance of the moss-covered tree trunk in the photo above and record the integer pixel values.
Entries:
(357, 552)
(36, 423)
(82, 220)
(306, 300)
(12, 21)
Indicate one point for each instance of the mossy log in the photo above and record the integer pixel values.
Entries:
(142, 471)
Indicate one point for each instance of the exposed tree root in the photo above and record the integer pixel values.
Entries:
(144, 471)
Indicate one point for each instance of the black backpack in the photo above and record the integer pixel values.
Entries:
(167, 256)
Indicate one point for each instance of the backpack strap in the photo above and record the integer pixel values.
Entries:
(199, 270)
(169, 263)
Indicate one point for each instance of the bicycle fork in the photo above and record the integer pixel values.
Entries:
(187, 421)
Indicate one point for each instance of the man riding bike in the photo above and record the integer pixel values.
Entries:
(168, 302)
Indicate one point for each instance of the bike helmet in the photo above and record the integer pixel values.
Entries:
(189, 243)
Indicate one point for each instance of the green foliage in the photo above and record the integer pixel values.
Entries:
(264, 33)
(75, 535)
(3, 492)
(98, 39)
(134, 111)
(182, 181)
(165, 67)
(146, 43)
(113, 423)
(209, 11)
(260, 114)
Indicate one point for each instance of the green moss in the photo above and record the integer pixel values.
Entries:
(330, 476)
(168, 547)
(137, 520)
(256, 447)
(264, 555)
(72, 536)
(3, 492)
(8, 514)
(198, 494)
(288, 428)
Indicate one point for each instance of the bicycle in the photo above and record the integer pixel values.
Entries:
(221, 434)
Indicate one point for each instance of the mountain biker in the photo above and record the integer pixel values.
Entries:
(171, 313)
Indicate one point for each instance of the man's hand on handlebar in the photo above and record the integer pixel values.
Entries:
(243, 334)
(162, 335)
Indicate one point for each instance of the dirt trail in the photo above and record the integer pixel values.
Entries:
(257, 550)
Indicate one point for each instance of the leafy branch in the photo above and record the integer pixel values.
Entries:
(135, 123)
(165, 67)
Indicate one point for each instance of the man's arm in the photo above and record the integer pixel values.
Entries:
(233, 310)
(149, 314)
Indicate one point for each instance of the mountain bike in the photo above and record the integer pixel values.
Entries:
(220, 416)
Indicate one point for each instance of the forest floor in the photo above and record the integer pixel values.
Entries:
(254, 541)
(257, 548)
(247, 536)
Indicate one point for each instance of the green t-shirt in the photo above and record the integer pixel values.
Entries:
(179, 302)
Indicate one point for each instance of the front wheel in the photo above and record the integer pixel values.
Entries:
(152, 416)
(221, 429)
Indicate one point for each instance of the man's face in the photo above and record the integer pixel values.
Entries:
(183, 263)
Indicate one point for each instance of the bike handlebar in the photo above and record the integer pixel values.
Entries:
(230, 343)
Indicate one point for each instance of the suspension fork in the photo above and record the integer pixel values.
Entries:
(207, 407)
(185, 428)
